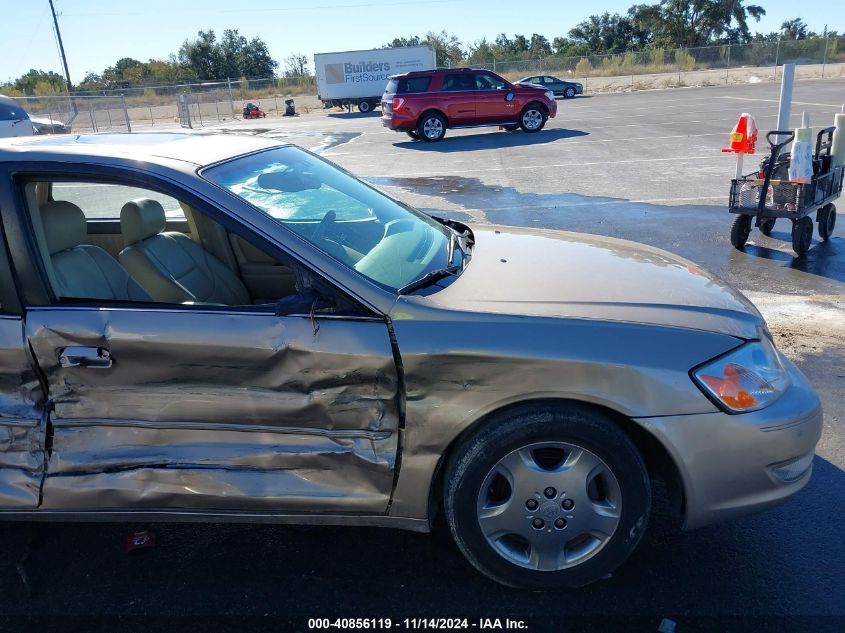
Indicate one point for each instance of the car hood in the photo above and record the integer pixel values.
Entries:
(526, 272)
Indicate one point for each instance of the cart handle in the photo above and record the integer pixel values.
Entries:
(776, 147)
(790, 134)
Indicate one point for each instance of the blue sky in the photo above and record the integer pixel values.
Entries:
(98, 32)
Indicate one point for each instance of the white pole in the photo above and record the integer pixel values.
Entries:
(785, 106)
(739, 166)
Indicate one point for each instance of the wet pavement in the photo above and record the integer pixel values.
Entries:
(643, 166)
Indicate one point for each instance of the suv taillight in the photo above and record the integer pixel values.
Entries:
(398, 104)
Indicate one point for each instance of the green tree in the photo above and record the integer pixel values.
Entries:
(40, 79)
(232, 56)
(447, 47)
(480, 52)
(795, 29)
(605, 33)
(539, 46)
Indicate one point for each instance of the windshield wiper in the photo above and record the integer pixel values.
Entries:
(429, 278)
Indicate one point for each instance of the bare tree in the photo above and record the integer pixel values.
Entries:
(296, 65)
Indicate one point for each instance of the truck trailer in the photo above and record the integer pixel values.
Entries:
(358, 78)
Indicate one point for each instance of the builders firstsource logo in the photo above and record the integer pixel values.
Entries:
(357, 73)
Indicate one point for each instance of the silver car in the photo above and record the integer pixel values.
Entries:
(222, 328)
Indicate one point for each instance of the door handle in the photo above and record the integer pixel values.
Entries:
(93, 357)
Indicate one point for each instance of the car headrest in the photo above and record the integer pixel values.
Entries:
(64, 225)
(140, 219)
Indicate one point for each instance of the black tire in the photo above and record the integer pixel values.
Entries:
(826, 220)
(532, 118)
(510, 128)
(413, 134)
(569, 93)
(364, 106)
(802, 235)
(475, 457)
(767, 225)
(740, 231)
(436, 125)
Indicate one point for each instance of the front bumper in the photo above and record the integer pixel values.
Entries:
(729, 464)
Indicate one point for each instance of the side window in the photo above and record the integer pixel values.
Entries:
(413, 84)
(189, 259)
(489, 82)
(548, 80)
(104, 201)
(459, 81)
(11, 112)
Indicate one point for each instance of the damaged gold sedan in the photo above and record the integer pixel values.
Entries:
(225, 328)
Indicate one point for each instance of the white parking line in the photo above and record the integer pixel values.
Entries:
(547, 165)
(809, 103)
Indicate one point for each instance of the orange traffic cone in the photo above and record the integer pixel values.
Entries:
(744, 136)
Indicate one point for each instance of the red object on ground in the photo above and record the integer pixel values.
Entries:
(140, 540)
(252, 111)
(743, 137)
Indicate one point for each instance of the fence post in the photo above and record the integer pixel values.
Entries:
(824, 55)
(91, 110)
(777, 56)
(494, 64)
(231, 98)
(126, 113)
(728, 67)
(152, 120)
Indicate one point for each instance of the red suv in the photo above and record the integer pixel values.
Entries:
(425, 103)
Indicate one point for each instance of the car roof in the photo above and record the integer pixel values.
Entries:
(199, 149)
(433, 71)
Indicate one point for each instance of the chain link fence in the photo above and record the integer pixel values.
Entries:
(661, 68)
(213, 102)
(210, 102)
(80, 113)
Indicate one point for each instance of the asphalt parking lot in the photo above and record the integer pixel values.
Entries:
(644, 166)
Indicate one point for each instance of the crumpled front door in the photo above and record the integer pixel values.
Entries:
(23, 422)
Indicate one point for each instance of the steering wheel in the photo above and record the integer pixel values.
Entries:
(323, 227)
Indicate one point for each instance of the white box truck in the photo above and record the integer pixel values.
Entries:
(359, 77)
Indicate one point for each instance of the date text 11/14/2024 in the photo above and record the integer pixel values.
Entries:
(415, 624)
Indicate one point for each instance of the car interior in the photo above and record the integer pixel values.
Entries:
(139, 251)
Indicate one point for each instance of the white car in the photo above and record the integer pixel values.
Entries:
(14, 121)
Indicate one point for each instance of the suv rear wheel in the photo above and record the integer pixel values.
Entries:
(431, 127)
(532, 118)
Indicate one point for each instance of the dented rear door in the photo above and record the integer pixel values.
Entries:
(169, 409)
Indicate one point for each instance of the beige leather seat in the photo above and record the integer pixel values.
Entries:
(82, 271)
(171, 266)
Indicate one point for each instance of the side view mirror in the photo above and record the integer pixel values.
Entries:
(509, 96)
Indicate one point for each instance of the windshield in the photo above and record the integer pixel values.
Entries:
(360, 227)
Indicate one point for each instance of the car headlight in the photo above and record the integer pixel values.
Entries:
(748, 378)
(550, 95)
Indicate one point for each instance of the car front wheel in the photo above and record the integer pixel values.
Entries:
(569, 92)
(532, 119)
(431, 127)
(547, 497)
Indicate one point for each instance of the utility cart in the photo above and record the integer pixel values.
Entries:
(768, 194)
